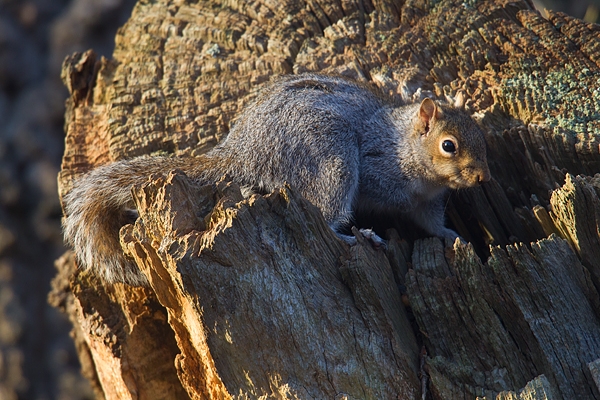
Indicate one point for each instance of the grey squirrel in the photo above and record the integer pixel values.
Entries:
(337, 142)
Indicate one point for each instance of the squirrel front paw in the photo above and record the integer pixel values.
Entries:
(449, 237)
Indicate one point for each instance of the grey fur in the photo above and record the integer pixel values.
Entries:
(335, 141)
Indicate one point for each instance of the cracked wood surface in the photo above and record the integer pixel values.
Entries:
(522, 324)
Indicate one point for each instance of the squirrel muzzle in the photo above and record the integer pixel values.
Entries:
(466, 177)
(484, 175)
(475, 176)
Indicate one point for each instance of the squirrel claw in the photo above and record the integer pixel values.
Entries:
(372, 237)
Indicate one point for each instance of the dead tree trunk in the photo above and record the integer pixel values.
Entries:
(258, 298)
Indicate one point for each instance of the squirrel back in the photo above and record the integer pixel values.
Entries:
(340, 144)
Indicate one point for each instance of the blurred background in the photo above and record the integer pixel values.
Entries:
(37, 357)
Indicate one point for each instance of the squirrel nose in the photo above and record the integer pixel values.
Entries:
(484, 176)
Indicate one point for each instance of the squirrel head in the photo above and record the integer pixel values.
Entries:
(454, 145)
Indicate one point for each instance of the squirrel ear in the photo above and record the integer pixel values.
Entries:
(460, 99)
(428, 111)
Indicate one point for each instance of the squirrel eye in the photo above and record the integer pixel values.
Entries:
(448, 146)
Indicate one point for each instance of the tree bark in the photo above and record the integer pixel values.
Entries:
(257, 297)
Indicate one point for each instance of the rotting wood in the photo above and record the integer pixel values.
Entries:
(125, 343)
(179, 75)
(267, 271)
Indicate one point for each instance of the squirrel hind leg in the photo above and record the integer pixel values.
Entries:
(344, 219)
(372, 237)
(368, 234)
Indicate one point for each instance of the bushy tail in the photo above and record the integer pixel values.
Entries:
(99, 204)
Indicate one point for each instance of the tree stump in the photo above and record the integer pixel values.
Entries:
(257, 297)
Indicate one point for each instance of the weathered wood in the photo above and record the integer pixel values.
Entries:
(576, 214)
(496, 326)
(539, 308)
(261, 297)
(538, 388)
(243, 294)
(61, 297)
(125, 343)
